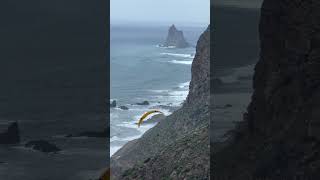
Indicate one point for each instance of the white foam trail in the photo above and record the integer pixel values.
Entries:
(181, 62)
(114, 149)
(116, 138)
(165, 47)
(179, 55)
(184, 85)
(160, 91)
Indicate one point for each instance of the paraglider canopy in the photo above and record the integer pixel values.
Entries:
(146, 114)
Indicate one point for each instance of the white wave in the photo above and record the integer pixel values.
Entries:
(171, 97)
(160, 91)
(165, 47)
(174, 97)
(142, 129)
(184, 85)
(130, 138)
(181, 62)
(114, 149)
(113, 115)
(179, 55)
(113, 100)
(179, 93)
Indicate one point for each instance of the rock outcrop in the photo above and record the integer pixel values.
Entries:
(124, 107)
(11, 136)
(144, 103)
(178, 146)
(113, 104)
(43, 146)
(279, 137)
(175, 38)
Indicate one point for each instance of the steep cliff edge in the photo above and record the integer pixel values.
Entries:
(178, 146)
(279, 137)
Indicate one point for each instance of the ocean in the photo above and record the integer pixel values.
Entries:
(142, 70)
(235, 52)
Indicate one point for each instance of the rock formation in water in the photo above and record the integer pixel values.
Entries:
(178, 146)
(11, 136)
(144, 103)
(279, 137)
(43, 146)
(124, 107)
(175, 38)
(113, 104)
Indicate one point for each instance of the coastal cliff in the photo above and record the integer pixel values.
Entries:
(180, 142)
(279, 135)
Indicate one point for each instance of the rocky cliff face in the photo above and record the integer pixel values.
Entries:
(175, 38)
(279, 137)
(178, 146)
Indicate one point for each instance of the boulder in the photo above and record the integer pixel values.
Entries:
(11, 136)
(113, 104)
(43, 146)
(124, 107)
(144, 103)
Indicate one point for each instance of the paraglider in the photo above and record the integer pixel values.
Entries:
(145, 115)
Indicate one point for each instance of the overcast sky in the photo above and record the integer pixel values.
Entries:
(160, 11)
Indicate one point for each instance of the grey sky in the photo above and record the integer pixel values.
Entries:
(160, 11)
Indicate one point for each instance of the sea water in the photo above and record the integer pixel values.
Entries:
(142, 70)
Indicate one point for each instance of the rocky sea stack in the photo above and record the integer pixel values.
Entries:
(178, 146)
(113, 104)
(279, 137)
(175, 38)
(11, 136)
